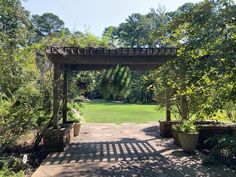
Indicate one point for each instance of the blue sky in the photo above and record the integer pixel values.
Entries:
(95, 15)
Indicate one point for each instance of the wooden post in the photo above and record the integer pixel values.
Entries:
(65, 90)
(167, 102)
(56, 95)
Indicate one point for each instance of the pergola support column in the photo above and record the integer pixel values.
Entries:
(56, 94)
(167, 103)
(65, 93)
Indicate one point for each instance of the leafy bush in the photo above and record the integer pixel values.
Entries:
(186, 126)
(230, 108)
(73, 112)
(12, 166)
(81, 83)
(18, 113)
(7, 173)
(223, 151)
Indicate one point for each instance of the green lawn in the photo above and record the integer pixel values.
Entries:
(104, 112)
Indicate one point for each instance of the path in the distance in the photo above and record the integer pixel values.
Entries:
(125, 150)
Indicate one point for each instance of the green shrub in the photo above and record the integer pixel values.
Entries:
(18, 114)
(73, 112)
(12, 166)
(223, 151)
(186, 126)
(230, 108)
(7, 173)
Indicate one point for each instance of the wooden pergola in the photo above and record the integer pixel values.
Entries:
(84, 59)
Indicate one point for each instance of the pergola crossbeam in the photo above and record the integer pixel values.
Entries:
(112, 52)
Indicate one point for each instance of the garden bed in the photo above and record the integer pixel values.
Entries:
(209, 131)
(166, 126)
(11, 160)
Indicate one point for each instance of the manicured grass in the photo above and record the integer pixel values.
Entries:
(104, 112)
(100, 111)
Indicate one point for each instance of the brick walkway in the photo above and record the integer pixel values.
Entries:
(125, 150)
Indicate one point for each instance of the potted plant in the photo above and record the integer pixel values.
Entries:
(188, 135)
(76, 120)
(175, 132)
(77, 125)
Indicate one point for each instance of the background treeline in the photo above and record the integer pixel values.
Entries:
(204, 75)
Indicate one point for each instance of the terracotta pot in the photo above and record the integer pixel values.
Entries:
(188, 141)
(77, 129)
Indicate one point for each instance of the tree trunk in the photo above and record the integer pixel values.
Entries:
(184, 107)
(183, 99)
(167, 100)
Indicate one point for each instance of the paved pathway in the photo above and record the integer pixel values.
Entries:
(125, 150)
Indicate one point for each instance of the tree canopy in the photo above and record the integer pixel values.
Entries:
(205, 70)
(141, 30)
(47, 23)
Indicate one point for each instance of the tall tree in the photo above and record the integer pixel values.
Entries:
(19, 94)
(109, 35)
(14, 25)
(14, 34)
(205, 69)
(142, 30)
(47, 23)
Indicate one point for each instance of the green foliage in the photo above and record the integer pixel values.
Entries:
(141, 88)
(223, 151)
(11, 166)
(20, 94)
(186, 126)
(14, 26)
(74, 113)
(230, 108)
(108, 35)
(18, 114)
(114, 83)
(81, 83)
(204, 73)
(141, 30)
(47, 23)
(7, 173)
(74, 117)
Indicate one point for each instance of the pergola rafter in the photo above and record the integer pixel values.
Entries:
(82, 59)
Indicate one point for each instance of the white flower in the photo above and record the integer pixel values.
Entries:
(25, 158)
